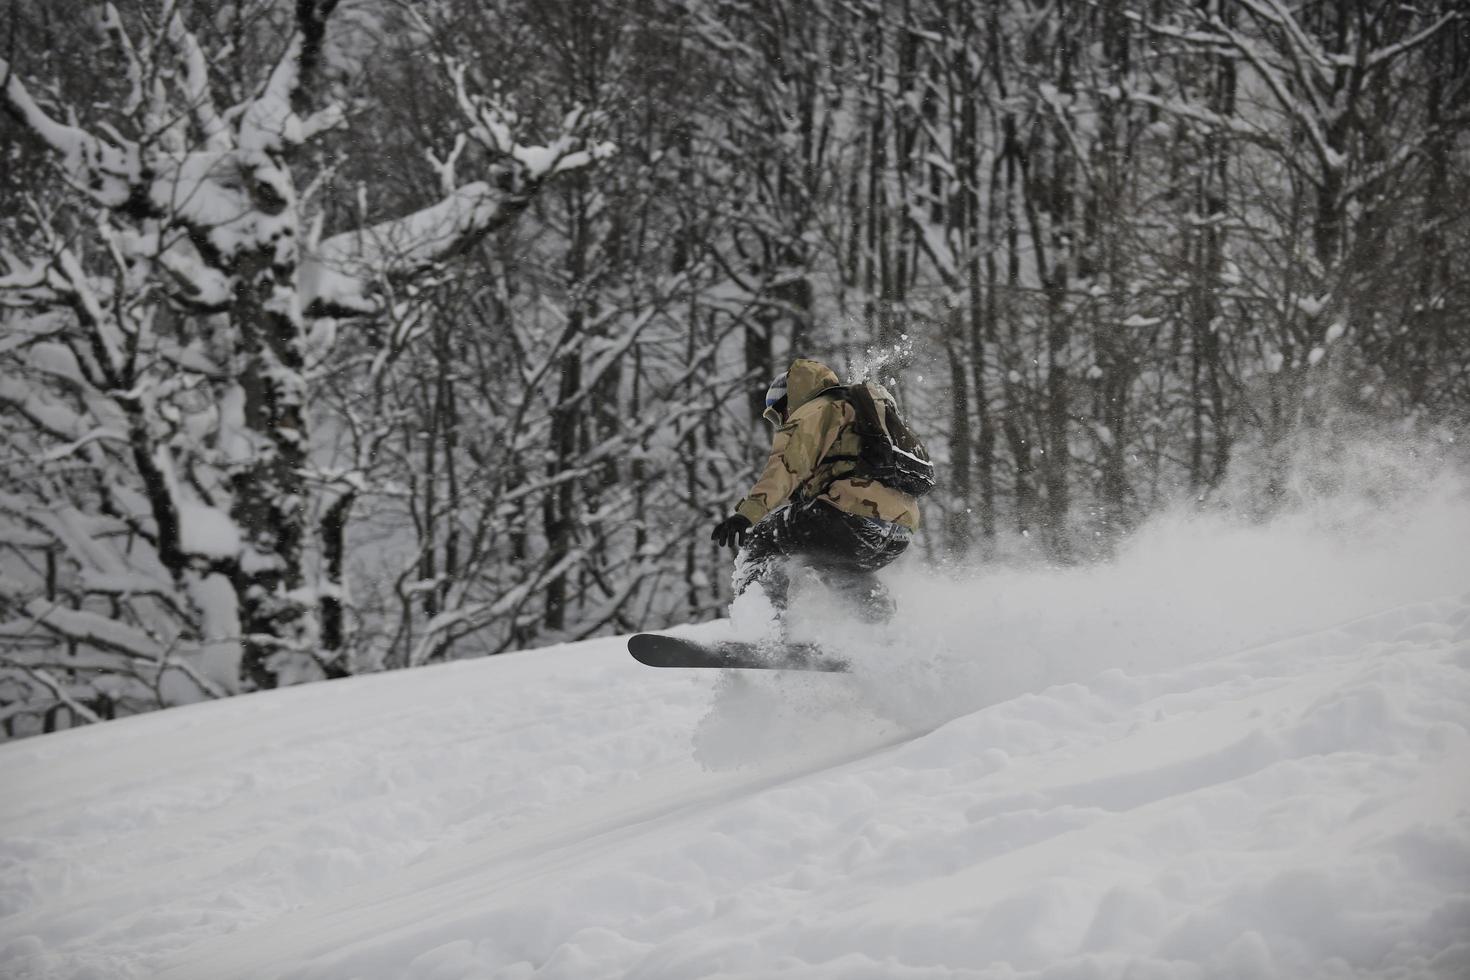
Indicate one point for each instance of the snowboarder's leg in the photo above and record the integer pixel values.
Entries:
(847, 550)
(843, 549)
(763, 559)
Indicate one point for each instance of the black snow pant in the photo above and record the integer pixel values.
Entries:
(844, 550)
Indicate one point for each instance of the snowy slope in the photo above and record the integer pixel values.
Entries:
(1234, 753)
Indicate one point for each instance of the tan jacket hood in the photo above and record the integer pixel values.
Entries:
(805, 379)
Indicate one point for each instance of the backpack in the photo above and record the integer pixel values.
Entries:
(890, 453)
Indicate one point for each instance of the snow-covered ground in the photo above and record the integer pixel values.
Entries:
(1234, 753)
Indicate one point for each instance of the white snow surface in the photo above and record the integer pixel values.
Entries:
(1235, 752)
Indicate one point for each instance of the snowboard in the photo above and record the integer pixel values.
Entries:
(658, 650)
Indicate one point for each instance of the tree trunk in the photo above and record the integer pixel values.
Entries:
(269, 491)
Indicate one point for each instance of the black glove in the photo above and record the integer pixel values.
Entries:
(732, 531)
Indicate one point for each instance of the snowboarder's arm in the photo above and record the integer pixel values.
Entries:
(798, 447)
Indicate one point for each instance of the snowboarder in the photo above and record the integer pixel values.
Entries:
(820, 502)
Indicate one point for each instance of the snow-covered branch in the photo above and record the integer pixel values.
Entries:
(1310, 64)
(193, 82)
(1384, 55)
(108, 174)
(1308, 117)
(280, 115)
(83, 626)
(339, 277)
(54, 687)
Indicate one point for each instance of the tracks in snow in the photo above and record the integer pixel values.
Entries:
(423, 898)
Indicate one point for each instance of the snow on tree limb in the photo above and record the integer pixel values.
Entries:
(1308, 119)
(278, 117)
(493, 125)
(110, 23)
(108, 345)
(58, 690)
(1307, 57)
(56, 421)
(106, 173)
(193, 81)
(1197, 113)
(269, 121)
(445, 168)
(84, 626)
(1384, 55)
(401, 247)
(29, 284)
(76, 533)
(337, 278)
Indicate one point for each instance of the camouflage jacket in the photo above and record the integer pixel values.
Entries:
(819, 426)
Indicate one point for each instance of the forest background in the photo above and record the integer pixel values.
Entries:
(341, 337)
